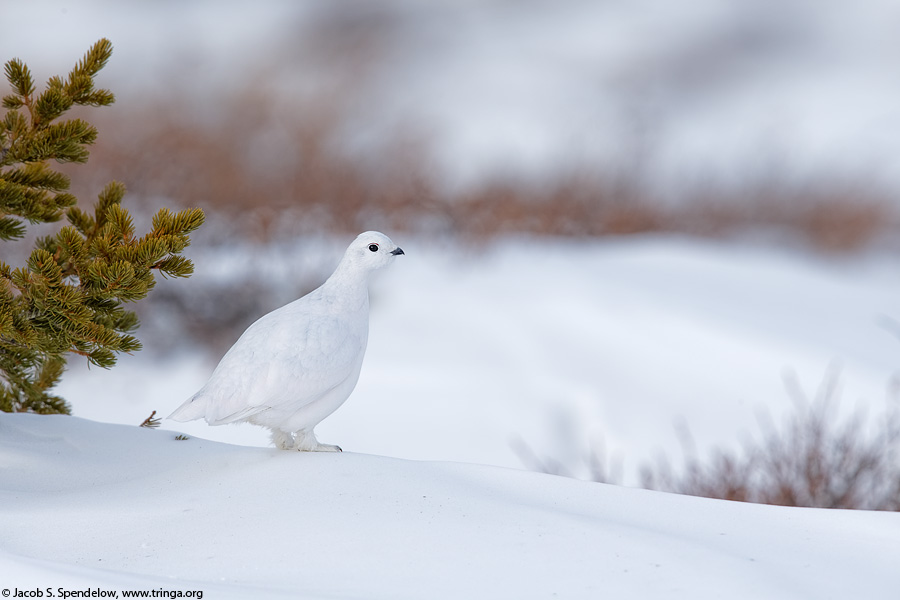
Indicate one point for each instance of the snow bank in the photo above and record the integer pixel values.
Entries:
(117, 507)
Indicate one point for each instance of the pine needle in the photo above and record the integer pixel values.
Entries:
(152, 421)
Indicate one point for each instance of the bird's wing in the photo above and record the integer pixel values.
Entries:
(283, 363)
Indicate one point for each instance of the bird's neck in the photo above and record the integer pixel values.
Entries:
(348, 285)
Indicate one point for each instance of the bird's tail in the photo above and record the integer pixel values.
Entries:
(193, 408)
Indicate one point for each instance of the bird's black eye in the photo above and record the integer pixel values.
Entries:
(373, 247)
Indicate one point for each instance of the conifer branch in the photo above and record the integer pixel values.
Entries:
(152, 421)
(67, 298)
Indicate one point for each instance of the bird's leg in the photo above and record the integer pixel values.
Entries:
(305, 441)
(283, 439)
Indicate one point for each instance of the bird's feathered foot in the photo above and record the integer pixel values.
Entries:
(303, 441)
(283, 440)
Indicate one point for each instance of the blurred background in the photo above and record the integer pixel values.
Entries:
(623, 220)
(574, 118)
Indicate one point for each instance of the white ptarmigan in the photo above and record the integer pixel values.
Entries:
(296, 365)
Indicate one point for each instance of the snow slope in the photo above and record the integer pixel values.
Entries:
(110, 507)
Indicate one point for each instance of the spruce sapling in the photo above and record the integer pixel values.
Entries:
(68, 297)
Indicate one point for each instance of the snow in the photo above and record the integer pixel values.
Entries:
(543, 341)
(112, 507)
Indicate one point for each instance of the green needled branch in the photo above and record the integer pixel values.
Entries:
(68, 298)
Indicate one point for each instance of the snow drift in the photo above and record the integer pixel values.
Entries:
(118, 507)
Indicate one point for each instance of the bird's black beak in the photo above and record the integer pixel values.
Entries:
(397, 251)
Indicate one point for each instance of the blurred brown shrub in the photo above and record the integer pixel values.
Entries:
(266, 171)
(263, 172)
(815, 458)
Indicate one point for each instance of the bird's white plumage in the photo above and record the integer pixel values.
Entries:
(296, 365)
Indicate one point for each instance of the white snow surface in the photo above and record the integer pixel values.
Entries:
(471, 348)
(92, 506)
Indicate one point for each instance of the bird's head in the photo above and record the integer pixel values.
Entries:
(373, 250)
